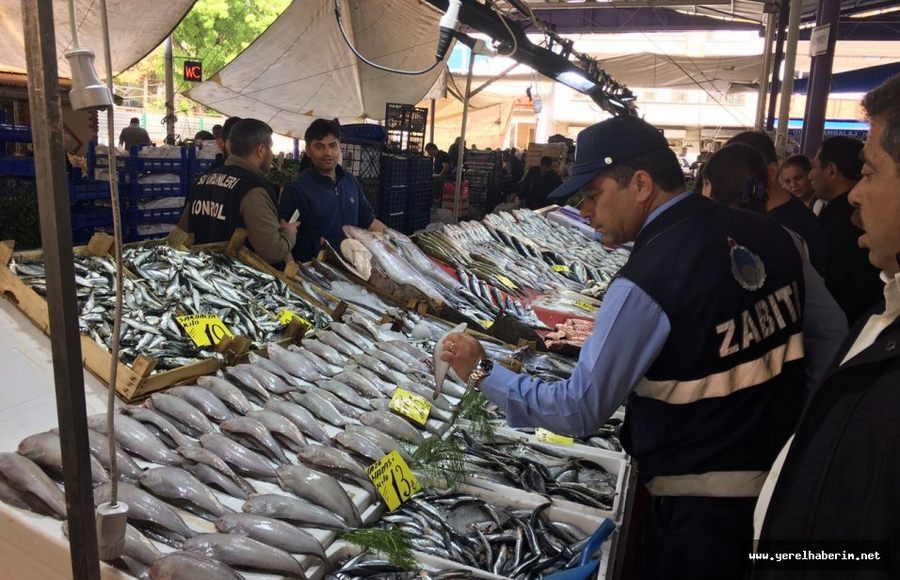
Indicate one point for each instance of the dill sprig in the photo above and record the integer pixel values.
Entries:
(439, 462)
(473, 407)
(393, 544)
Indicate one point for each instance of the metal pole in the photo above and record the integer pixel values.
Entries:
(433, 109)
(787, 86)
(462, 137)
(775, 85)
(818, 85)
(764, 74)
(56, 234)
(170, 92)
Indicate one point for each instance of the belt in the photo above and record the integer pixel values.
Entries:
(709, 484)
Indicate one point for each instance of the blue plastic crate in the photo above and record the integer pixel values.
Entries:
(21, 166)
(155, 216)
(80, 190)
(91, 217)
(17, 133)
(144, 190)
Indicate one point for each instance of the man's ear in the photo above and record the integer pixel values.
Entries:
(643, 185)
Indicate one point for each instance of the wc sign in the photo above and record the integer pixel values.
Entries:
(193, 71)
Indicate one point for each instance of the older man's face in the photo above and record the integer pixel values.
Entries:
(614, 211)
(877, 195)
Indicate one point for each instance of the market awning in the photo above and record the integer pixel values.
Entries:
(136, 28)
(300, 68)
(648, 70)
(860, 80)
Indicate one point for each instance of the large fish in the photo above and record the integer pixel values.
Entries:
(285, 432)
(45, 450)
(360, 445)
(205, 400)
(327, 353)
(384, 441)
(348, 334)
(145, 512)
(165, 429)
(136, 439)
(420, 261)
(182, 413)
(273, 368)
(336, 462)
(212, 470)
(294, 363)
(228, 393)
(338, 343)
(320, 407)
(362, 385)
(26, 477)
(392, 425)
(245, 552)
(394, 265)
(188, 566)
(251, 385)
(297, 511)
(267, 380)
(246, 462)
(272, 532)
(125, 465)
(441, 367)
(254, 435)
(320, 489)
(321, 365)
(180, 488)
(301, 417)
(345, 392)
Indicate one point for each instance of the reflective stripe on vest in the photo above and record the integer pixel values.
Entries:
(742, 376)
(709, 484)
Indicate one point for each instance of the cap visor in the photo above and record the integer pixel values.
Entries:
(571, 186)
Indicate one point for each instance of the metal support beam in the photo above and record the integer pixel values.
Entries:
(764, 73)
(431, 121)
(776, 64)
(787, 85)
(462, 137)
(56, 234)
(170, 92)
(820, 80)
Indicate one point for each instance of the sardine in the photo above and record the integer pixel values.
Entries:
(136, 439)
(246, 462)
(272, 532)
(296, 511)
(167, 431)
(228, 393)
(392, 425)
(253, 434)
(320, 407)
(195, 457)
(284, 432)
(147, 513)
(320, 489)
(188, 566)
(26, 477)
(182, 412)
(180, 488)
(301, 417)
(204, 400)
(45, 450)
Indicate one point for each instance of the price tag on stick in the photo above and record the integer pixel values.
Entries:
(560, 268)
(286, 317)
(410, 405)
(204, 329)
(393, 480)
(549, 437)
(586, 306)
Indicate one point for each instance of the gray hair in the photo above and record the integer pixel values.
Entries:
(883, 102)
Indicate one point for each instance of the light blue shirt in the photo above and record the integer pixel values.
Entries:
(629, 333)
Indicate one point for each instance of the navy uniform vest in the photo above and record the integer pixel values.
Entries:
(726, 390)
(214, 203)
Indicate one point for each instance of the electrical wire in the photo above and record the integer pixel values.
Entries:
(515, 42)
(340, 23)
(117, 234)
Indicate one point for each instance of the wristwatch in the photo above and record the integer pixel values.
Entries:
(483, 368)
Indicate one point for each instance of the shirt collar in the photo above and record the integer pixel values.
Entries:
(338, 174)
(658, 211)
(891, 294)
(244, 164)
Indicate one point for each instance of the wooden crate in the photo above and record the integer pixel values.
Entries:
(132, 382)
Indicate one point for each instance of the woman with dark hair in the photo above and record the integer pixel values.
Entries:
(736, 175)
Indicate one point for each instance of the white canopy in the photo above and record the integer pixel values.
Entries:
(300, 68)
(136, 28)
(648, 70)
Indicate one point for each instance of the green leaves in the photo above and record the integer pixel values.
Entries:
(394, 544)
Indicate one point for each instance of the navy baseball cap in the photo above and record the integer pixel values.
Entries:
(609, 143)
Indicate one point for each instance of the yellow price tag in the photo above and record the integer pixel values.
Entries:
(560, 268)
(286, 316)
(410, 405)
(507, 282)
(586, 306)
(393, 480)
(486, 323)
(204, 329)
(548, 437)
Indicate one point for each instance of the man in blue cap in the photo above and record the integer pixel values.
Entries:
(700, 335)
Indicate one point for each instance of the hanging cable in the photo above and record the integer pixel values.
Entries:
(515, 42)
(448, 27)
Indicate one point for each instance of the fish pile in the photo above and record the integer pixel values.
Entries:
(366, 566)
(248, 301)
(570, 303)
(607, 437)
(573, 332)
(507, 542)
(148, 325)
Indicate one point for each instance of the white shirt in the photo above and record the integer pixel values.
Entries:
(874, 327)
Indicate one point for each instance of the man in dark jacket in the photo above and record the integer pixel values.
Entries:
(848, 275)
(834, 486)
(538, 183)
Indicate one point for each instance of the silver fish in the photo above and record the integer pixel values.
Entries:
(301, 417)
(267, 380)
(297, 511)
(128, 469)
(320, 407)
(272, 532)
(228, 393)
(11, 496)
(247, 462)
(403, 355)
(244, 552)
(442, 367)
(196, 458)
(392, 425)
(385, 442)
(182, 412)
(168, 432)
(378, 367)
(180, 488)
(253, 434)
(349, 335)
(361, 384)
(348, 411)
(204, 400)
(322, 367)
(293, 363)
(188, 566)
(320, 489)
(285, 432)
(336, 462)
(45, 450)
(338, 343)
(26, 477)
(146, 512)
(273, 368)
(345, 392)
(138, 547)
(251, 384)
(135, 438)
(359, 445)
(325, 352)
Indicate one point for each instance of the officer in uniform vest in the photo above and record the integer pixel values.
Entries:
(238, 195)
(700, 335)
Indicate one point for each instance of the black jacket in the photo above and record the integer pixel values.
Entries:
(840, 479)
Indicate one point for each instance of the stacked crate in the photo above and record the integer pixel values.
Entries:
(483, 172)
(392, 199)
(156, 188)
(405, 126)
(421, 193)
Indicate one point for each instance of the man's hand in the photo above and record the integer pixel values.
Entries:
(462, 351)
(289, 227)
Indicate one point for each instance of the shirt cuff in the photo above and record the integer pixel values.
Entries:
(495, 386)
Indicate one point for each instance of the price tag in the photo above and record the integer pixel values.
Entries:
(507, 282)
(393, 480)
(204, 329)
(560, 268)
(486, 323)
(410, 405)
(586, 306)
(549, 437)
(286, 316)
